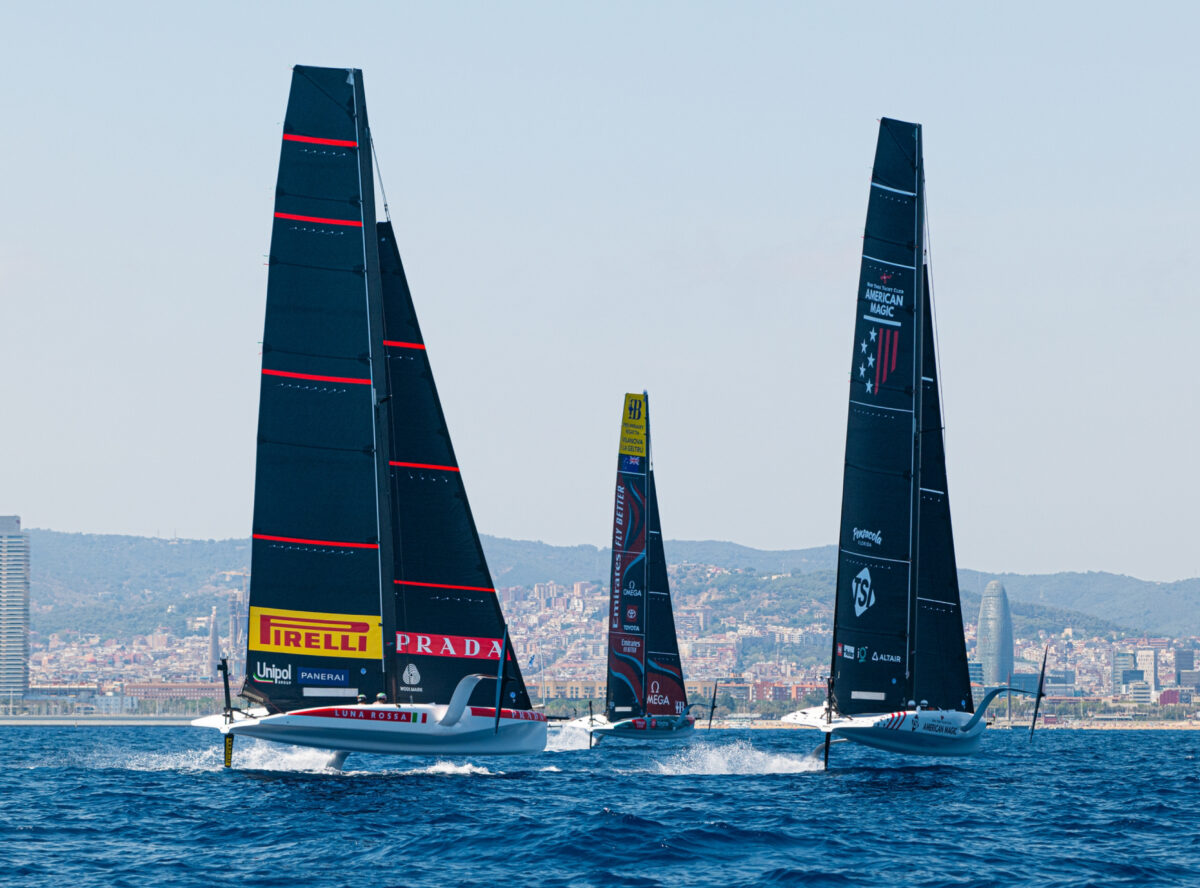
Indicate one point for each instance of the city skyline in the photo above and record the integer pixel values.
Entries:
(593, 201)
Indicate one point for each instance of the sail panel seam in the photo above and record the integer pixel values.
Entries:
(290, 375)
(318, 219)
(334, 543)
(314, 140)
(444, 586)
(885, 262)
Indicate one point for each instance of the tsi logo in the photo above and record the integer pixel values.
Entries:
(268, 673)
(864, 595)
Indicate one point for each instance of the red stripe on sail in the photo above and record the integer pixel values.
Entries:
(336, 543)
(323, 221)
(881, 361)
(409, 465)
(291, 375)
(443, 586)
(313, 140)
(394, 344)
(895, 347)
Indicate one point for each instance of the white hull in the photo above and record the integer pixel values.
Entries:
(653, 728)
(392, 730)
(913, 732)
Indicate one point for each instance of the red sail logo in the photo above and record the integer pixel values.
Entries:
(877, 357)
(430, 645)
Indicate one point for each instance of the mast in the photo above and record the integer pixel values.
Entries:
(871, 659)
(918, 388)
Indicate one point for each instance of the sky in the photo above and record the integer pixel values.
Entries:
(599, 198)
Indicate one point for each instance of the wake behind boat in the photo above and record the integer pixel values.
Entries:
(645, 697)
(899, 678)
(374, 625)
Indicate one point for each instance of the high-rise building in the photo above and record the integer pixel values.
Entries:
(994, 642)
(14, 609)
(1122, 662)
(214, 648)
(1185, 661)
(1147, 661)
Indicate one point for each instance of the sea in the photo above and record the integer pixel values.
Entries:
(148, 806)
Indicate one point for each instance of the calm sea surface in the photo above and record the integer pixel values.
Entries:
(116, 806)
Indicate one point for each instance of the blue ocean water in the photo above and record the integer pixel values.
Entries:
(138, 806)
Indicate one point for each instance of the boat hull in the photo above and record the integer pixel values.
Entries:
(393, 730)
(910, 732)
(651, 728)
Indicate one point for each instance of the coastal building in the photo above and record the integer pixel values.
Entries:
(1122, 662)
(994, 644)
(1185, 661)
(1147, 661)
(14, 609)
(214, 646)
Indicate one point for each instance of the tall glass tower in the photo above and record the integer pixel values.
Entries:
(995, 635)
(14, 610)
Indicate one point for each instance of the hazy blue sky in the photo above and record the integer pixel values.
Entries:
(593, 199)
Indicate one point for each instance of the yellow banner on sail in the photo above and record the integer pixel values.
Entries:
(316, 635)
(633, 426)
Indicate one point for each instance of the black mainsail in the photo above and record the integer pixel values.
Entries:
(645, 675)
(897, 624)
(366, 567)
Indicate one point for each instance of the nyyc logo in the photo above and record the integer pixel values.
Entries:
(314, 634)
(868, 538)
(324, 678)
(267, 673)
(448, 646)
(864, 595)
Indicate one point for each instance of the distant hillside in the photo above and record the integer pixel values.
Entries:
(1171, 609)
(523, 563)
(120, 585)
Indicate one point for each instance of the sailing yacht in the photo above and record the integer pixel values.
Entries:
(898, 672)
(645, 697)
(374, 625)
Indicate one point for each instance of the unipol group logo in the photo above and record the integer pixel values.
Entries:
(864, 595)
(269, 673)
(316, 635)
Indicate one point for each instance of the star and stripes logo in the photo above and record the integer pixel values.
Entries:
(877, 357)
